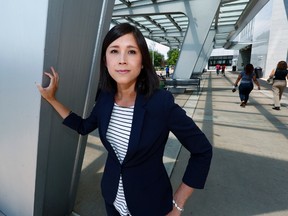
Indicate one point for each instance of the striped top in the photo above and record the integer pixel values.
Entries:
(118, 134)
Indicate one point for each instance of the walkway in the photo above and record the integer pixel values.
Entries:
(249, 170)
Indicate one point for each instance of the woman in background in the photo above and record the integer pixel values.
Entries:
(247, 78)
(280, 77)
(223, 67)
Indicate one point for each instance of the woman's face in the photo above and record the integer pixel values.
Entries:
(124, 61)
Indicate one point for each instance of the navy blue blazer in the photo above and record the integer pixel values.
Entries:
(147, 187)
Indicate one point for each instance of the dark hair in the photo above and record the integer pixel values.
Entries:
(249, 68)
(282, 65)
(147, 81)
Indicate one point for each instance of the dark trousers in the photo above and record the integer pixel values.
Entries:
(245, 90)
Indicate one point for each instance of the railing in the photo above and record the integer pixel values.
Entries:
(183, 84)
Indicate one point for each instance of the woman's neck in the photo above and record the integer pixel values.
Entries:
(125, 97)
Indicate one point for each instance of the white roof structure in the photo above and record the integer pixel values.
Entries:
(169, 28)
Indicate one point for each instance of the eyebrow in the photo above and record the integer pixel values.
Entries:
(129, 46)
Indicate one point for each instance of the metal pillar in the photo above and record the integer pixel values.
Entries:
(75, 30)
(22, 36)
(205, 52)
(40, 159)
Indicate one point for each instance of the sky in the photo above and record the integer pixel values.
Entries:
(158, 47)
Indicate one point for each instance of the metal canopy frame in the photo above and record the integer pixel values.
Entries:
(169, 29)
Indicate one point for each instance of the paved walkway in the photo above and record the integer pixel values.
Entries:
(249, 172)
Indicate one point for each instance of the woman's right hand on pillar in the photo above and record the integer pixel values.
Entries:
(49, 92)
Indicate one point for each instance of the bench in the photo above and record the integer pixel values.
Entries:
(183, 84)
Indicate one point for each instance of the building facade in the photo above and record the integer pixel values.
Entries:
(263, 42)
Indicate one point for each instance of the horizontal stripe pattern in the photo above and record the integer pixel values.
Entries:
(118, 134)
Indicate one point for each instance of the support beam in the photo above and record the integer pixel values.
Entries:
(22, 39)
(75, 30)
(205, 52)
(40, 158)
(196, 35)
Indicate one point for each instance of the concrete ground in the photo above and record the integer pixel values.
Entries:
(249, 171)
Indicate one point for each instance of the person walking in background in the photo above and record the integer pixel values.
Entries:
(167, 71)
(134, 118)
(280, 77)
(247, 78)
(223, 67)
(218, 68)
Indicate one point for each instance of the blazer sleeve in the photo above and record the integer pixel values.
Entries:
(87, 125)
(82, 126)
(194, 140)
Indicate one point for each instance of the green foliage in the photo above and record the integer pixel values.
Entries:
(173, 56)
(158, 58)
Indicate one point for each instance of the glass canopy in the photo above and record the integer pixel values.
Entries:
(169, 29)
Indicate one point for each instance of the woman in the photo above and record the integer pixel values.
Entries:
(247, 78)
(134, 118)
(223, 67)
(280, 77)
(218, 67)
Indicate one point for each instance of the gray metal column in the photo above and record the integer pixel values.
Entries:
(286, 8)
(201, 15)
(205, 52)
(75, 30)
(22, 39)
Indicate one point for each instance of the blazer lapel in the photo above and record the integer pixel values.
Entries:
(107, 103)
(138, 118)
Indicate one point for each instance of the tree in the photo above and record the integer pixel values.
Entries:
(173, 56)
(158, 58)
